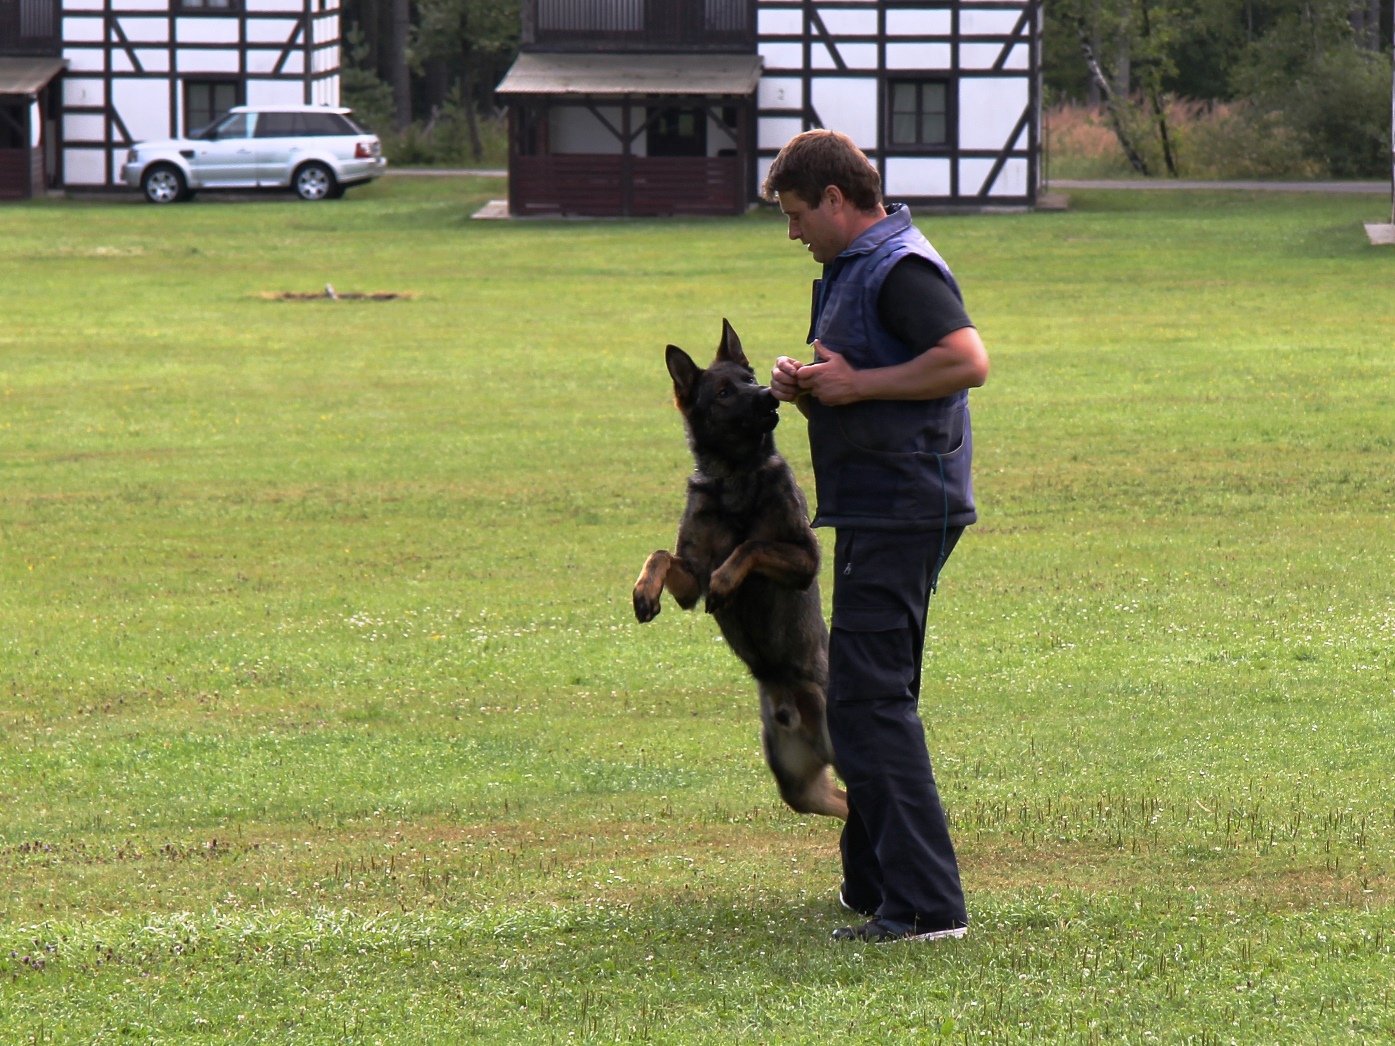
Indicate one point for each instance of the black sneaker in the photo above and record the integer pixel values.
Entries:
(843, 903)
(881, 931)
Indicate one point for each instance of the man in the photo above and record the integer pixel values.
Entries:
(886, 398)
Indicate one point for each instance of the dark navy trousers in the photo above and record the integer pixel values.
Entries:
(898, 859)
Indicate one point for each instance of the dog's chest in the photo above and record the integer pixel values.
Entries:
(723, 514)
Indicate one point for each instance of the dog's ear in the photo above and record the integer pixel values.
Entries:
(730, 349)
(683, 371)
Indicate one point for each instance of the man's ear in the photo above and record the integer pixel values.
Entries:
(833, 196)
(683, 371)
(730, 348)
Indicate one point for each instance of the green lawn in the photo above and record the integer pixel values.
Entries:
(326, 718)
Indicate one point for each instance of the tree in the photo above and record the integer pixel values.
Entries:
(465, 34)
(1123, 43)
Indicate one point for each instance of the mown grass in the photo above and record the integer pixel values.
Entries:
(326, 718)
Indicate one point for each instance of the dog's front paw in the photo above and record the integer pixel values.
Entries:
(646, 606)
(720, 591)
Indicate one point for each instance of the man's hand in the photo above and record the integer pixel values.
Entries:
(784, 379)
(832, 380)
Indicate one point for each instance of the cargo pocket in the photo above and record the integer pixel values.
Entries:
(870, 655)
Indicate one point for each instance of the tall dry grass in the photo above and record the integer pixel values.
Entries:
(1210, 140)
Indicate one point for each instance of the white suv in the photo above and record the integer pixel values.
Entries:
(315, 150)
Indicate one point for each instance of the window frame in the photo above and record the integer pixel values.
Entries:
(186, 8)
(240, 96)
(951, 139)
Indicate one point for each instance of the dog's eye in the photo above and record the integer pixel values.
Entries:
(724, 392)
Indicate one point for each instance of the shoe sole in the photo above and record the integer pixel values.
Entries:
(936, 935)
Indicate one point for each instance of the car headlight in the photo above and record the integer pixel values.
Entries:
(132, 155)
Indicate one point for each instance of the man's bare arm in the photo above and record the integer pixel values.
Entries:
(958, 361)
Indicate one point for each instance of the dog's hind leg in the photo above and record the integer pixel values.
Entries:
(664, 570)
(797, 751)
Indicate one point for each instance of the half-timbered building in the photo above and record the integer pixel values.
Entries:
(679, 106)
(82, 80)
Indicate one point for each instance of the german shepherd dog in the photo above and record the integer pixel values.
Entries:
(746, 547)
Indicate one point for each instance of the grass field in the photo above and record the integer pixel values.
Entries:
(326, 718)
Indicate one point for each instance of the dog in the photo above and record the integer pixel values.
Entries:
(745, 546)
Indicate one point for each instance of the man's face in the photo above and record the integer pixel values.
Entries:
(818, 228)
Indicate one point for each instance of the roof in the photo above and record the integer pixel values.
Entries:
(631, 74)
(279, 107)
(28, 75)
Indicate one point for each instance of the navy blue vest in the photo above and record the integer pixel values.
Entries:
(884, 464)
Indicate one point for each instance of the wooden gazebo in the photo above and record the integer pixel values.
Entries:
(631, 133)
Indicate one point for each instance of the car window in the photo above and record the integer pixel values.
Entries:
(324, 124)
(353, 125)
(276, 125)
(234, 125)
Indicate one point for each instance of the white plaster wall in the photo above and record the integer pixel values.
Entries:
(206, 61)
(295, 64)
(83, 5)
(919, 56)
(144, 107)
(83, 30)
(573, 130)
(84, 167)
(779, 22)
(849, 105)
(858, 56)
(78, 91)
(145, 30)
(972, 172)
(918, 23)
(917, 176)
(782, 56)
(718, 137)
(772, 132)
(206, 30)
(84, 127)
(140, 5)
(989, 23)
(989, 108)
(843, 22)
(270, 30)
(1012, 179)
(275, 92)
(262, 61)
(780, 92)
(85, 60)
(820, 57)
(154, 61)
(274, 5)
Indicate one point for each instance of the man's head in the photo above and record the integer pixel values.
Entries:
(828, 189)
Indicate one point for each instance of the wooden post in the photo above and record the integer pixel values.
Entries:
(626, 163)
(1392, 116)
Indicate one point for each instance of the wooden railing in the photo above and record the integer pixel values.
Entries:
(589, 184)
(634, 24)
(30, 27)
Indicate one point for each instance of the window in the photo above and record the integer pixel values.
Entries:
(234, 125)
(610, 16)
(677, 132)
(303, 125)
(207, 5)
(207, 100)
(919, 113)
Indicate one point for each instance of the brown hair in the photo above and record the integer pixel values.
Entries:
(811, 162)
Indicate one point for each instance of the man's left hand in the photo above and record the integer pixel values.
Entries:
(832, 380)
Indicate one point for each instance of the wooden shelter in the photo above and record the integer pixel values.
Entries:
(678, 106)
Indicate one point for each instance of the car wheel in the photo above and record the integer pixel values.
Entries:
(314, 181)
(164, 183)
